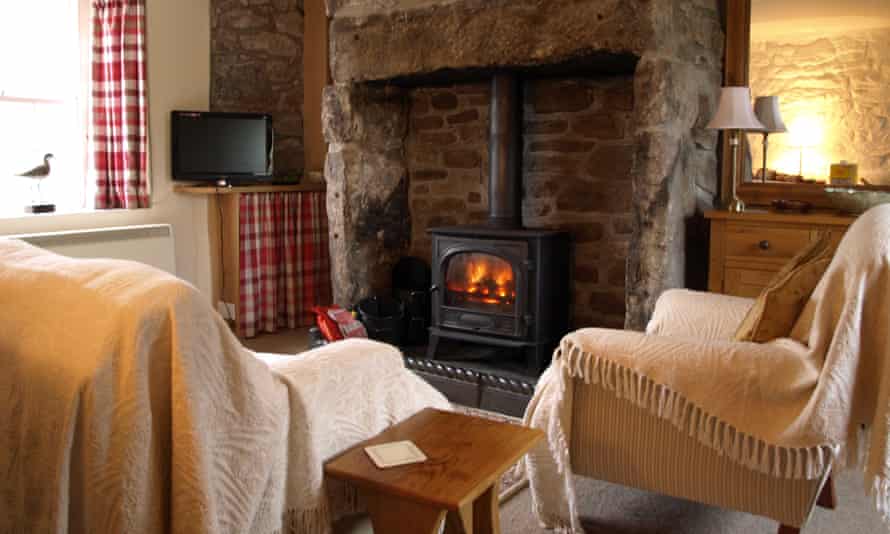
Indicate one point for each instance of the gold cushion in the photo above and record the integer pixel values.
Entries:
(780, 303)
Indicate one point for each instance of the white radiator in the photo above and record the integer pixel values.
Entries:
(151, 244)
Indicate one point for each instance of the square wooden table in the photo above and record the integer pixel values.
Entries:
(457, 484)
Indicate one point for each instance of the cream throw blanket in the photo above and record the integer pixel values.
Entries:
(128, 406)
(788, 408)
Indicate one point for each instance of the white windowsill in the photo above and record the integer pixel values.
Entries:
(12, 217)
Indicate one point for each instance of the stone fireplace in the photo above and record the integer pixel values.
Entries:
(615, 95)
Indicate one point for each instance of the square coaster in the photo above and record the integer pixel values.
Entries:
(395, 454)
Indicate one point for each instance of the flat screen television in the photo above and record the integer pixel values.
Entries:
(215, 147)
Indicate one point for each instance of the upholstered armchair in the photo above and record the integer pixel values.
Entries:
(738, 403)
(617, 441)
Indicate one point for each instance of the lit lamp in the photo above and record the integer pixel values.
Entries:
(734, 114)
(766, 108)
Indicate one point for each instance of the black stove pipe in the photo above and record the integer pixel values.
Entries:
(505, 151)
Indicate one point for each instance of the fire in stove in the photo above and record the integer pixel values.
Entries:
(480, 280)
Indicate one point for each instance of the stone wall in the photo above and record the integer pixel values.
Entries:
(578, 166)
(836, 85)
(447, 153)
(578, 140)
(675, 51)
(257, 66)
(367, 187)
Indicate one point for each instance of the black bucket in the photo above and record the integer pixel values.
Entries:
(411, 279)
(384, 319)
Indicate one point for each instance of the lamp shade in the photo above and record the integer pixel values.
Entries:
(735, 111)
(766, 108)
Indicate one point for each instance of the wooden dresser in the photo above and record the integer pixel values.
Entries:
(748, 248)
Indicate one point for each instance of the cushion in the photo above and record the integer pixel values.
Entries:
(780, 303)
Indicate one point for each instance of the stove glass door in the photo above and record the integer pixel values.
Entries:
(481, 282)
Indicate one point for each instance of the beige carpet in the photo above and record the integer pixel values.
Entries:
(611, 509)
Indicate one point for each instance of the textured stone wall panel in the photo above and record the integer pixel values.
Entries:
(842, 82)
(257, 66)
(367, 188)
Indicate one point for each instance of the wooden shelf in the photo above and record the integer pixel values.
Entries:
(818, 217)
(231, 190)
(762, 194)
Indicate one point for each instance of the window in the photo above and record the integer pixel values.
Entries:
(44, 76)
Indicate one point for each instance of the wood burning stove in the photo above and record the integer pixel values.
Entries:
(499, 283)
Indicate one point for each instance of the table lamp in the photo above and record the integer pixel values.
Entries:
(735, 114)
(766, 108)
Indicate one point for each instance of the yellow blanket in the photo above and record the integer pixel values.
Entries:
(128, 406)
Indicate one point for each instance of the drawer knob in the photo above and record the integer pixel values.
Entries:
(764, 245)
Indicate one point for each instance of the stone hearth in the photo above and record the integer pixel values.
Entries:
(616, 96)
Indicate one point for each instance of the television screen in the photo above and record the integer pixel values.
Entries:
(221, 146)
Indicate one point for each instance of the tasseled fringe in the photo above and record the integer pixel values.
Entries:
(559, 446)
(316, 521)
(880, 492)
(749, 451)
(341, 497)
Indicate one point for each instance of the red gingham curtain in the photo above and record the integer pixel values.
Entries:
(285, 263)
(119, 107)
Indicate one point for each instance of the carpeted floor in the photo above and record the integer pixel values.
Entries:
(611, 509)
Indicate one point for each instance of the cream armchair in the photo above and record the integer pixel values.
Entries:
(688, 411)
(651, 454)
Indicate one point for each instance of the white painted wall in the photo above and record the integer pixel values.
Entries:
(178, 78)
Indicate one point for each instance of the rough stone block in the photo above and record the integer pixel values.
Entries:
(601, 197)
(617, 273)
(545, 127)
(599, 126)
(588, 274)
(427, 123)
(462, 159)
(610, 302)
(377, 43)
(464, 116)
(375, 117)
(566, 146)
(612, 162)
(429, 175)
(559, 164)
(473, 133)
(584, 232)
(437, 139)
(559, 97)
(444, 101)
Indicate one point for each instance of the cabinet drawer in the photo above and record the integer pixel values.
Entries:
(746, 282)
(765, 243)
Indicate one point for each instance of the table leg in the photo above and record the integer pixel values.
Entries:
(482, 516)
(391, 515)
(487, 513)
(460, 521)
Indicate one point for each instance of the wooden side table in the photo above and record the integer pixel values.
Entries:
(457, 484)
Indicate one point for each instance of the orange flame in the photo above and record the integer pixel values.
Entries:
(483, 279)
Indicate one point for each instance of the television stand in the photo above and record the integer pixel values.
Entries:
(253, 182)
(223, 229)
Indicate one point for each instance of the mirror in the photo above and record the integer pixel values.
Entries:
(828, 62)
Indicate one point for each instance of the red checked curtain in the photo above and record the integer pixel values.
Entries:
(119, 109)
(285, 263)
